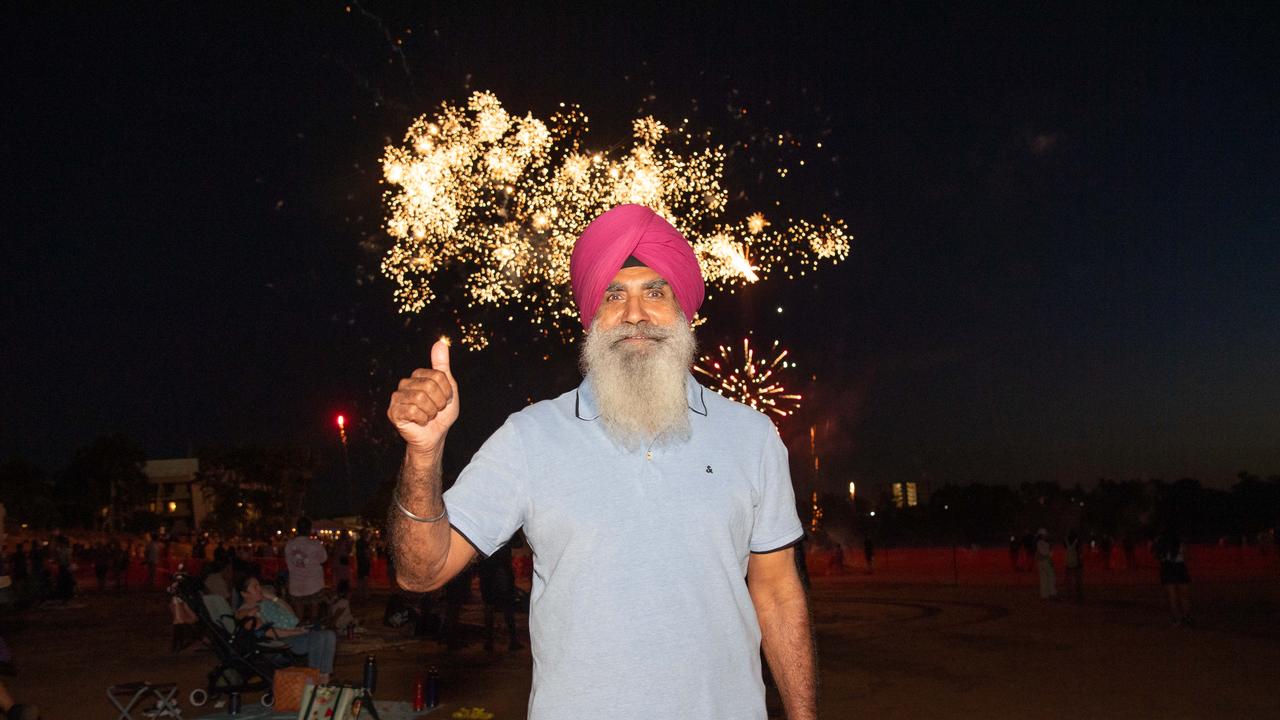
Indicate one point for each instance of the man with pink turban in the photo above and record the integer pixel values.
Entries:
(660, 514)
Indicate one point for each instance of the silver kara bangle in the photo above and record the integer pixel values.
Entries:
(395, 498)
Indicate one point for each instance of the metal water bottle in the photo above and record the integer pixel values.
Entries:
(370, 674)
(433, 688)
(418, 701)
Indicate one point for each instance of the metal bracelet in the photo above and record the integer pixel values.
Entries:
(395, 498)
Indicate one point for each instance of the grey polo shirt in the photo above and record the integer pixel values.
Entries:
(639, 605)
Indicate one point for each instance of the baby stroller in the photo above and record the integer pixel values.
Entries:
(247, 659)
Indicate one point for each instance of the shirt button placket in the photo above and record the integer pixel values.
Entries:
(644, 473)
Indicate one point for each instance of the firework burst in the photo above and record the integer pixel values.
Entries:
(750, 379)
(501, 200)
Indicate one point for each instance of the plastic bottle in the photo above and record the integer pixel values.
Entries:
(418, 699)
(370, 674)
(433, 688)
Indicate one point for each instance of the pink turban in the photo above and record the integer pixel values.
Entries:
(633, 231)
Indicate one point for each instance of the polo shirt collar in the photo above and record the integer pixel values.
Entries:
(584, 404)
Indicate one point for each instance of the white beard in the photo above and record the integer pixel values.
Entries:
(640, 390)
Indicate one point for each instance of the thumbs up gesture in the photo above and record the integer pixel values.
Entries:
(425, 404)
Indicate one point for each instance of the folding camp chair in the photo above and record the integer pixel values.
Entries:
(166, 706)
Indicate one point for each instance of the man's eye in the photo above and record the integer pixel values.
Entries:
(613, 297)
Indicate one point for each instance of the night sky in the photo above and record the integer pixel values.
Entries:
(1065, 263)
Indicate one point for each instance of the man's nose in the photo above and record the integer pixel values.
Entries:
(635, 312)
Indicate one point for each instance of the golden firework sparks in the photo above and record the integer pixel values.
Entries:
(474, 336)
(501, 199)
(750, 379)
(756, 223)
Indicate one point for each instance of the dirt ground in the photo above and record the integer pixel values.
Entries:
(887, 649)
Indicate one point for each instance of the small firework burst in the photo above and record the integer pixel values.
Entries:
(750, 379)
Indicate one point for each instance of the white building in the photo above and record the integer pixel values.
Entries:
(177, 497)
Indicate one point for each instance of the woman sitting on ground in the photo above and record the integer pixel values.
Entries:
(280, 622)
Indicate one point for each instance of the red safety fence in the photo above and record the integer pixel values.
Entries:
(996, 566)
(136, 574)
(966, 565)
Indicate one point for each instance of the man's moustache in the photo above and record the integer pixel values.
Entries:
(649, 332)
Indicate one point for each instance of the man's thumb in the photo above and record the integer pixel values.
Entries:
(440, 356)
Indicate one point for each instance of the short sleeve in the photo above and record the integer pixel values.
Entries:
(776, 523)
(487, 503)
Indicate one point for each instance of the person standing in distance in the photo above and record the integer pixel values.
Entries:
(1044, 564)
(306, 556)
(661, 515)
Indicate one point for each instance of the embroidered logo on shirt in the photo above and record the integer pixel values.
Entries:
(709, 469)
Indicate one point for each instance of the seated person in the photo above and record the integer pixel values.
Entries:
(281, 623)
(340, 617)
(220, 581)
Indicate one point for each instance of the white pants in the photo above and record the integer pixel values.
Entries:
(1048, 588)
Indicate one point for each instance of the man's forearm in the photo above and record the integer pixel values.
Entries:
(788, 648)
(420, 548)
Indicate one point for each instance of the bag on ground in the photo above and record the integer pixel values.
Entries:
(287, 685)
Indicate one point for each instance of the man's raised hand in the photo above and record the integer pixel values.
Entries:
(423, 408)
(425, 404)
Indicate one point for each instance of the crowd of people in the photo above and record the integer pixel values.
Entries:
(297, 590)
(54, 566)
(1167, 549)
(319, 573)
(1024, 550)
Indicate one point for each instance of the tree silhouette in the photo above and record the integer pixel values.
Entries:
(104, 484)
